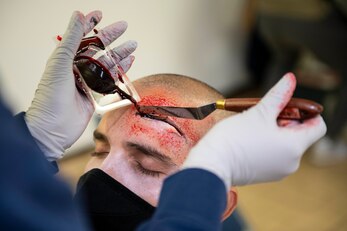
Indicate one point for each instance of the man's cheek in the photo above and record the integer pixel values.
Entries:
(148, 188)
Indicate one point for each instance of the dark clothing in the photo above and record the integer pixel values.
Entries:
(109, 205)
(192, 199)
(31, 198)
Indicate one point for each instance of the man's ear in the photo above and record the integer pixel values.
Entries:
(231, 203)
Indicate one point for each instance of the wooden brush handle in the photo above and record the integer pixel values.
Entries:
(296, 109)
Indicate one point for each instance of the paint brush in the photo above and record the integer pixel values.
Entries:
(296, 109)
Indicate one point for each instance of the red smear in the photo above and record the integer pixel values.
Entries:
(186, 125)
(290, 113)
(157, 101)
(168, 139)
(189, 130)
(136, 129)
(165, 137)
(59, 38)
(120, 77)
(286, 123)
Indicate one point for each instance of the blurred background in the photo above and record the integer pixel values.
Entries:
(240, 47)
(185, 37)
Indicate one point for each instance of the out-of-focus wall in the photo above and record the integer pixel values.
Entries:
(199, 38)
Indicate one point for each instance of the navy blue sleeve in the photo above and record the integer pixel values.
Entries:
(19, 119)
(31, 198)
(192, 199)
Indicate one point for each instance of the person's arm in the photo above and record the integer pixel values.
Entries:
(192, 199)
(20, 120)
(31, 198)
(59, 112)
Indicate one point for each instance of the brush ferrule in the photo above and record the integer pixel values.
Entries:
(220, 104)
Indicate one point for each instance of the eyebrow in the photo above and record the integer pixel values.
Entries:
(99, 136)
(151, 152)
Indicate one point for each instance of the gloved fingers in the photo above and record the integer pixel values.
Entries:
(127, 63)
(110, 33)
(72, 38)
(91, 20)
(107, 36)
(287, 122)
(309, 131)
(277, 97)
(118, 53)
(124, 50)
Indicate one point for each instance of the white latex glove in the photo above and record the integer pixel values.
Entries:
(59, 113)
(251, 147)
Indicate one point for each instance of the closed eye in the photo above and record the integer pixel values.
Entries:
(150, 152)
(146, 171)
(99, 154)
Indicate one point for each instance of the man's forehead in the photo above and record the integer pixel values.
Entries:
(145, 132)
(160, 96)
(160, 100)
(110, 118)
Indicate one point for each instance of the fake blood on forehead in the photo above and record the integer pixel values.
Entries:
(186, 125)
(158, 101)
(165, 138)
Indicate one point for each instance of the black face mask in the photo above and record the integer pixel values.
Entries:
(109, 205)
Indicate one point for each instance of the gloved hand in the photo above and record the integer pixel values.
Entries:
(59, 113)
(251, 147)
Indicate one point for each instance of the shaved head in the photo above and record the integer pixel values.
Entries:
(183, 90)
(140, 152)
(190, 89)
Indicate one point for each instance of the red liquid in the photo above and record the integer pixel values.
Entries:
(99, 79)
